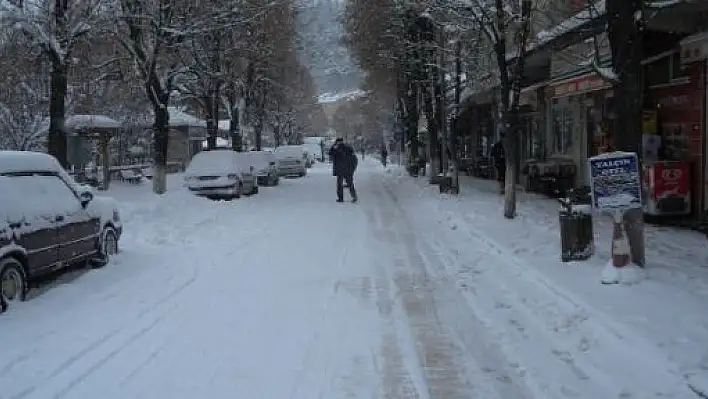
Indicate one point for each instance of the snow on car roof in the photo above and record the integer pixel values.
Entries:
(27, 161)
(290, 150)
(31, 161)
(257, 159)
(287, 148)
(211, 161)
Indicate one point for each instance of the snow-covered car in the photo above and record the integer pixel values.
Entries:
(291, 160)
(220, 174)
(48, 221)
(265, 165)
(314, 152)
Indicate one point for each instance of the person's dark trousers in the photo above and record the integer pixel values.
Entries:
(349, 179)
(501, 177)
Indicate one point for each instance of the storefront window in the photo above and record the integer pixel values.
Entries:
(562, 129)
(675, 141)
(532, 142)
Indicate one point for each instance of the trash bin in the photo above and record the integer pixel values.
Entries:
(445, 184)
(577, 242)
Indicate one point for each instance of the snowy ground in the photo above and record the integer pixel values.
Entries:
(290, 295)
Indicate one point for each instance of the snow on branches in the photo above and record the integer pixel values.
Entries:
(56, 27)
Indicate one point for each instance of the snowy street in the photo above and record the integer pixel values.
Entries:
(289, 294)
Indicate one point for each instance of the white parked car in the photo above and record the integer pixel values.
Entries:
(314, 152)
(48, 221)
(265, 166)
(220, 174)
(292, 160)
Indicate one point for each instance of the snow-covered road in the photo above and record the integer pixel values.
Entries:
(289, 294)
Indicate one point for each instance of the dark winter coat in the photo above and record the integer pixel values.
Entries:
(344, 160)
(498, 155)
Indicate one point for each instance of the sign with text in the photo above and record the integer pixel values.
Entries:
(615, 181)
(582, 84)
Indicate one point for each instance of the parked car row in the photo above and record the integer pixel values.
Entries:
(48, 222)
(225, 174)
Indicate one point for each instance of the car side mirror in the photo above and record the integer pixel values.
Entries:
(85, 197)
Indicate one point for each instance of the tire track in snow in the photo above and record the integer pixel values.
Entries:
(96, 344)
(444, 372)
(104, 339)
(312, 345)
(396, 376)
(488, 370)
(134, 337)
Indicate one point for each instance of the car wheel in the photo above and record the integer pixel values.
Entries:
(108, 246)
(13, 282)
(255, 189)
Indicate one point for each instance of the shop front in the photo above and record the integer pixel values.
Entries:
(694, 57)
(673, 142)
(576, 125)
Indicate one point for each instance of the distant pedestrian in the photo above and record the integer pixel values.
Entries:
(344, 164)
(499, 159)
(384, 155)
(363, 152)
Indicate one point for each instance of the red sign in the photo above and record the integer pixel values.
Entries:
(579, 85)
(671, 179)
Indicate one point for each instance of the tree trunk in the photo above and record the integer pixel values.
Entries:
(626, 36)
(433, 131)
(212, 127)
(511, 140)
(57, 140)
(412, 119)
(510, 83)
(161, 130)
(235, 131)
(454, 140)
(277, 134)
(259, 131)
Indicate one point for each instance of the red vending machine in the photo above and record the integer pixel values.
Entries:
(667, 186)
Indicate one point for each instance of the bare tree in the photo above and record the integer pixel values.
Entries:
(151, 33)
(55, 26)
(506, 25)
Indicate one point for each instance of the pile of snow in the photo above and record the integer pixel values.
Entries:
(334, 97)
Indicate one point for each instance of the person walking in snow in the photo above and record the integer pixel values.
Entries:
(344, 164)
(384, 155)
(499, 159)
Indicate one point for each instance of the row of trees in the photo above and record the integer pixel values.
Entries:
(406, 47)
(232, 59)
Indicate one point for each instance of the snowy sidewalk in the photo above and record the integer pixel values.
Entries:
(662, 321)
